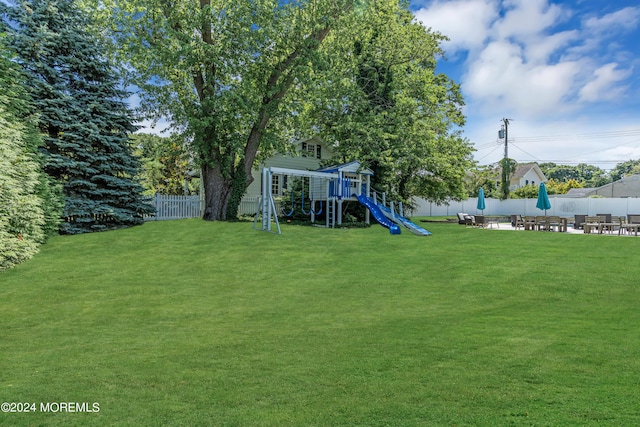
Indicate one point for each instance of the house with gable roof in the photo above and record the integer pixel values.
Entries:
(309, 153)
(525, 174)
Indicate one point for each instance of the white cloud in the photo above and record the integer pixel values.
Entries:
(623, 19)
(546, 67)
(518, 61)
(543, 48)
(525, 19)
(603, 85)
(465, 22)
(500, 78)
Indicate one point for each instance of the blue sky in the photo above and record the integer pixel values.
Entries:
(564, 72)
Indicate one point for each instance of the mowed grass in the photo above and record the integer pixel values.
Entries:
(192, 323)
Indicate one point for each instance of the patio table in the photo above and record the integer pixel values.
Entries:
(608, 226)
(557, 222)
(588, 226)
(630, 227)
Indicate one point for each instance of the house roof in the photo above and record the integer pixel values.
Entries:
(522, 169)
(578, 192)
(351, 167)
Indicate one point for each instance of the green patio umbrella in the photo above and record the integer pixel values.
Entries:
(481, 205)
(543, 199)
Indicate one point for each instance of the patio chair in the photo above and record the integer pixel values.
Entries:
(591, 223)
(629, 225)
(620, 222)
(529, 222)
(541, 223)
(480, 221)
(605, 219)
(517, 221)
(463, 218)
(553, 222)
(578, 221)
(633, 218)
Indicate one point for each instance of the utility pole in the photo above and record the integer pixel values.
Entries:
(504, 132)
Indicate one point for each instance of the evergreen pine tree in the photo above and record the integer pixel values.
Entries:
(83, 115)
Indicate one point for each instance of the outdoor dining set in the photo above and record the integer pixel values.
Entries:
(606, 223)
(599, 223)
(540, 223)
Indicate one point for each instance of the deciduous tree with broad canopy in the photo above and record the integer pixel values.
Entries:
(231, 74)
(381, 101)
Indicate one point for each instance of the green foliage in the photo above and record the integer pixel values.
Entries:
(82, 114)
(220, 74)
(526, 192)
(380, 101)
(29, 205)
(556, 187)
(238, 188)
(623, 169)
(507, 169)
(586, 175)
(21, 215)
(553, 187)
(165, 165)
(483, 177)
(244, 77)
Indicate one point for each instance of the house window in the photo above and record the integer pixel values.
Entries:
(275, 185)
(533, 183)
(318, 151)
(310, 150)
(526, 182)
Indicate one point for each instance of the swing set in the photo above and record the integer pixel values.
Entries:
(320, 192)
(312, 201)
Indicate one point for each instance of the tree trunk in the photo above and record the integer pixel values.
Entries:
(217, 190)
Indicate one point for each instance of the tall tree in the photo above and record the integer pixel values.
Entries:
(221, 71)
(382, 102)
(23, 202)
(20, 108)
(623, 169)
(586, 175)
(21, 213)
(166, 165)
(82, 114)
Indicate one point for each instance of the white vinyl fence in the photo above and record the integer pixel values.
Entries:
(249, 205)
(561, 206)
(176, 207)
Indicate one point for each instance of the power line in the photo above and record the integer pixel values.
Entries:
(490, 152)
(599, 135)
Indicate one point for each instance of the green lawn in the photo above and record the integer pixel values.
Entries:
(193, 323)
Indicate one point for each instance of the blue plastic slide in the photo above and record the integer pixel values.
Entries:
(378, 215)
(406, 222)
